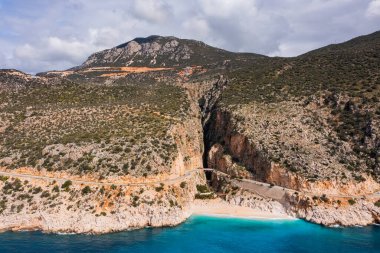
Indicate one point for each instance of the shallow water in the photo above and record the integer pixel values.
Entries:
(206, 234)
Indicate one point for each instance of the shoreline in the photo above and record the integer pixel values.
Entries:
(221, 208)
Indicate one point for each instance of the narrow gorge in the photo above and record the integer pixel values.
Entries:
(241, 159)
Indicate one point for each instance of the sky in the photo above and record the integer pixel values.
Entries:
(41, 35)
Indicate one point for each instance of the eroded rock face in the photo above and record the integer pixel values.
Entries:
(234, 141)
(37, 204)
(328, 202)
(143, 52)
(334, 212)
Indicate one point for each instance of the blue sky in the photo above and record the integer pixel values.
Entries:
(42, 35)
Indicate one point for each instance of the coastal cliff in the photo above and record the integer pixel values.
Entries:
(326, 201)
(120, 141)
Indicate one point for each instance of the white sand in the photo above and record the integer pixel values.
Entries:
(218, 207)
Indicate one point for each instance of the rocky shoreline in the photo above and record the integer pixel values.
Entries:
(65, 222)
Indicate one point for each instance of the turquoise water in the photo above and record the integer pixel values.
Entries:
(206, 234)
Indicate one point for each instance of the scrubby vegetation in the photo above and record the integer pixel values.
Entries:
(321, 107)
(112, 129)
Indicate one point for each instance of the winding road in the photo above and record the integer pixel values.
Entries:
(278, 192)
(76, 181)
(260, 188)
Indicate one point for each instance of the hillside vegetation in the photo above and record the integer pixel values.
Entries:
(121, 128)
(317, 114)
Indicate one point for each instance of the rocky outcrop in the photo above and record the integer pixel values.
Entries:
(55, 207)
(228, 147)
(334, 212)
(157, 51)
(326, 202)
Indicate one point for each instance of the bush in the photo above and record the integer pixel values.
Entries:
(204, 196)
(45, 194)
(11, 187)
(66, 185)
(159, 188)
(351, 202)
(86, 190)
(202, 188)
(183, 185)
(37, 190)
(3, 206)
(3, 178)
(377, 203)
(324, 198)
(55, 188)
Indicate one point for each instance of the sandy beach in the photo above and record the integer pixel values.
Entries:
(219, 207)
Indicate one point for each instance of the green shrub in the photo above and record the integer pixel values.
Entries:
(45, 194)
(3, 178)
(159, 188)
(3, 206)
(183, 184)
(55, 188)
(37, 190)
(324, 198)
(202, 188)
(66, 185)
(86, 190)
(351, 202)
(204, 196)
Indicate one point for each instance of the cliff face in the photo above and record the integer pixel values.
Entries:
(237, 140)
(108, 158)
(95, 208)
(145, 114)
(324, 201)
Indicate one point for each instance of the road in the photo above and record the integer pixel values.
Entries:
(278, 192)
(260, 188)
(76, 181)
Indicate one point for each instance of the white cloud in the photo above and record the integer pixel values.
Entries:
(197, 26)
(26, 52)
(42, 35)
(152, 10)
(53, 49)
(288, 49)
(104, 37)
(373, 9)
(227, 8)
(57, 53)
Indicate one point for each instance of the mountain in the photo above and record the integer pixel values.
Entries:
(124, 133)
(155, 53)
(158, 51)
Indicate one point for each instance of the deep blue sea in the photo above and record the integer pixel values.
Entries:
(206, 234)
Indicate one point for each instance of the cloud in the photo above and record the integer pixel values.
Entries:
(373, 9)
(53, 49)
(42, 35)
(56, 52)
(198, 26)
(104, 37)
(227, 8)
(152, 10)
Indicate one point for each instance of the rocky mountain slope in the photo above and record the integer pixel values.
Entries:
(154, 109)
(161, 52)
